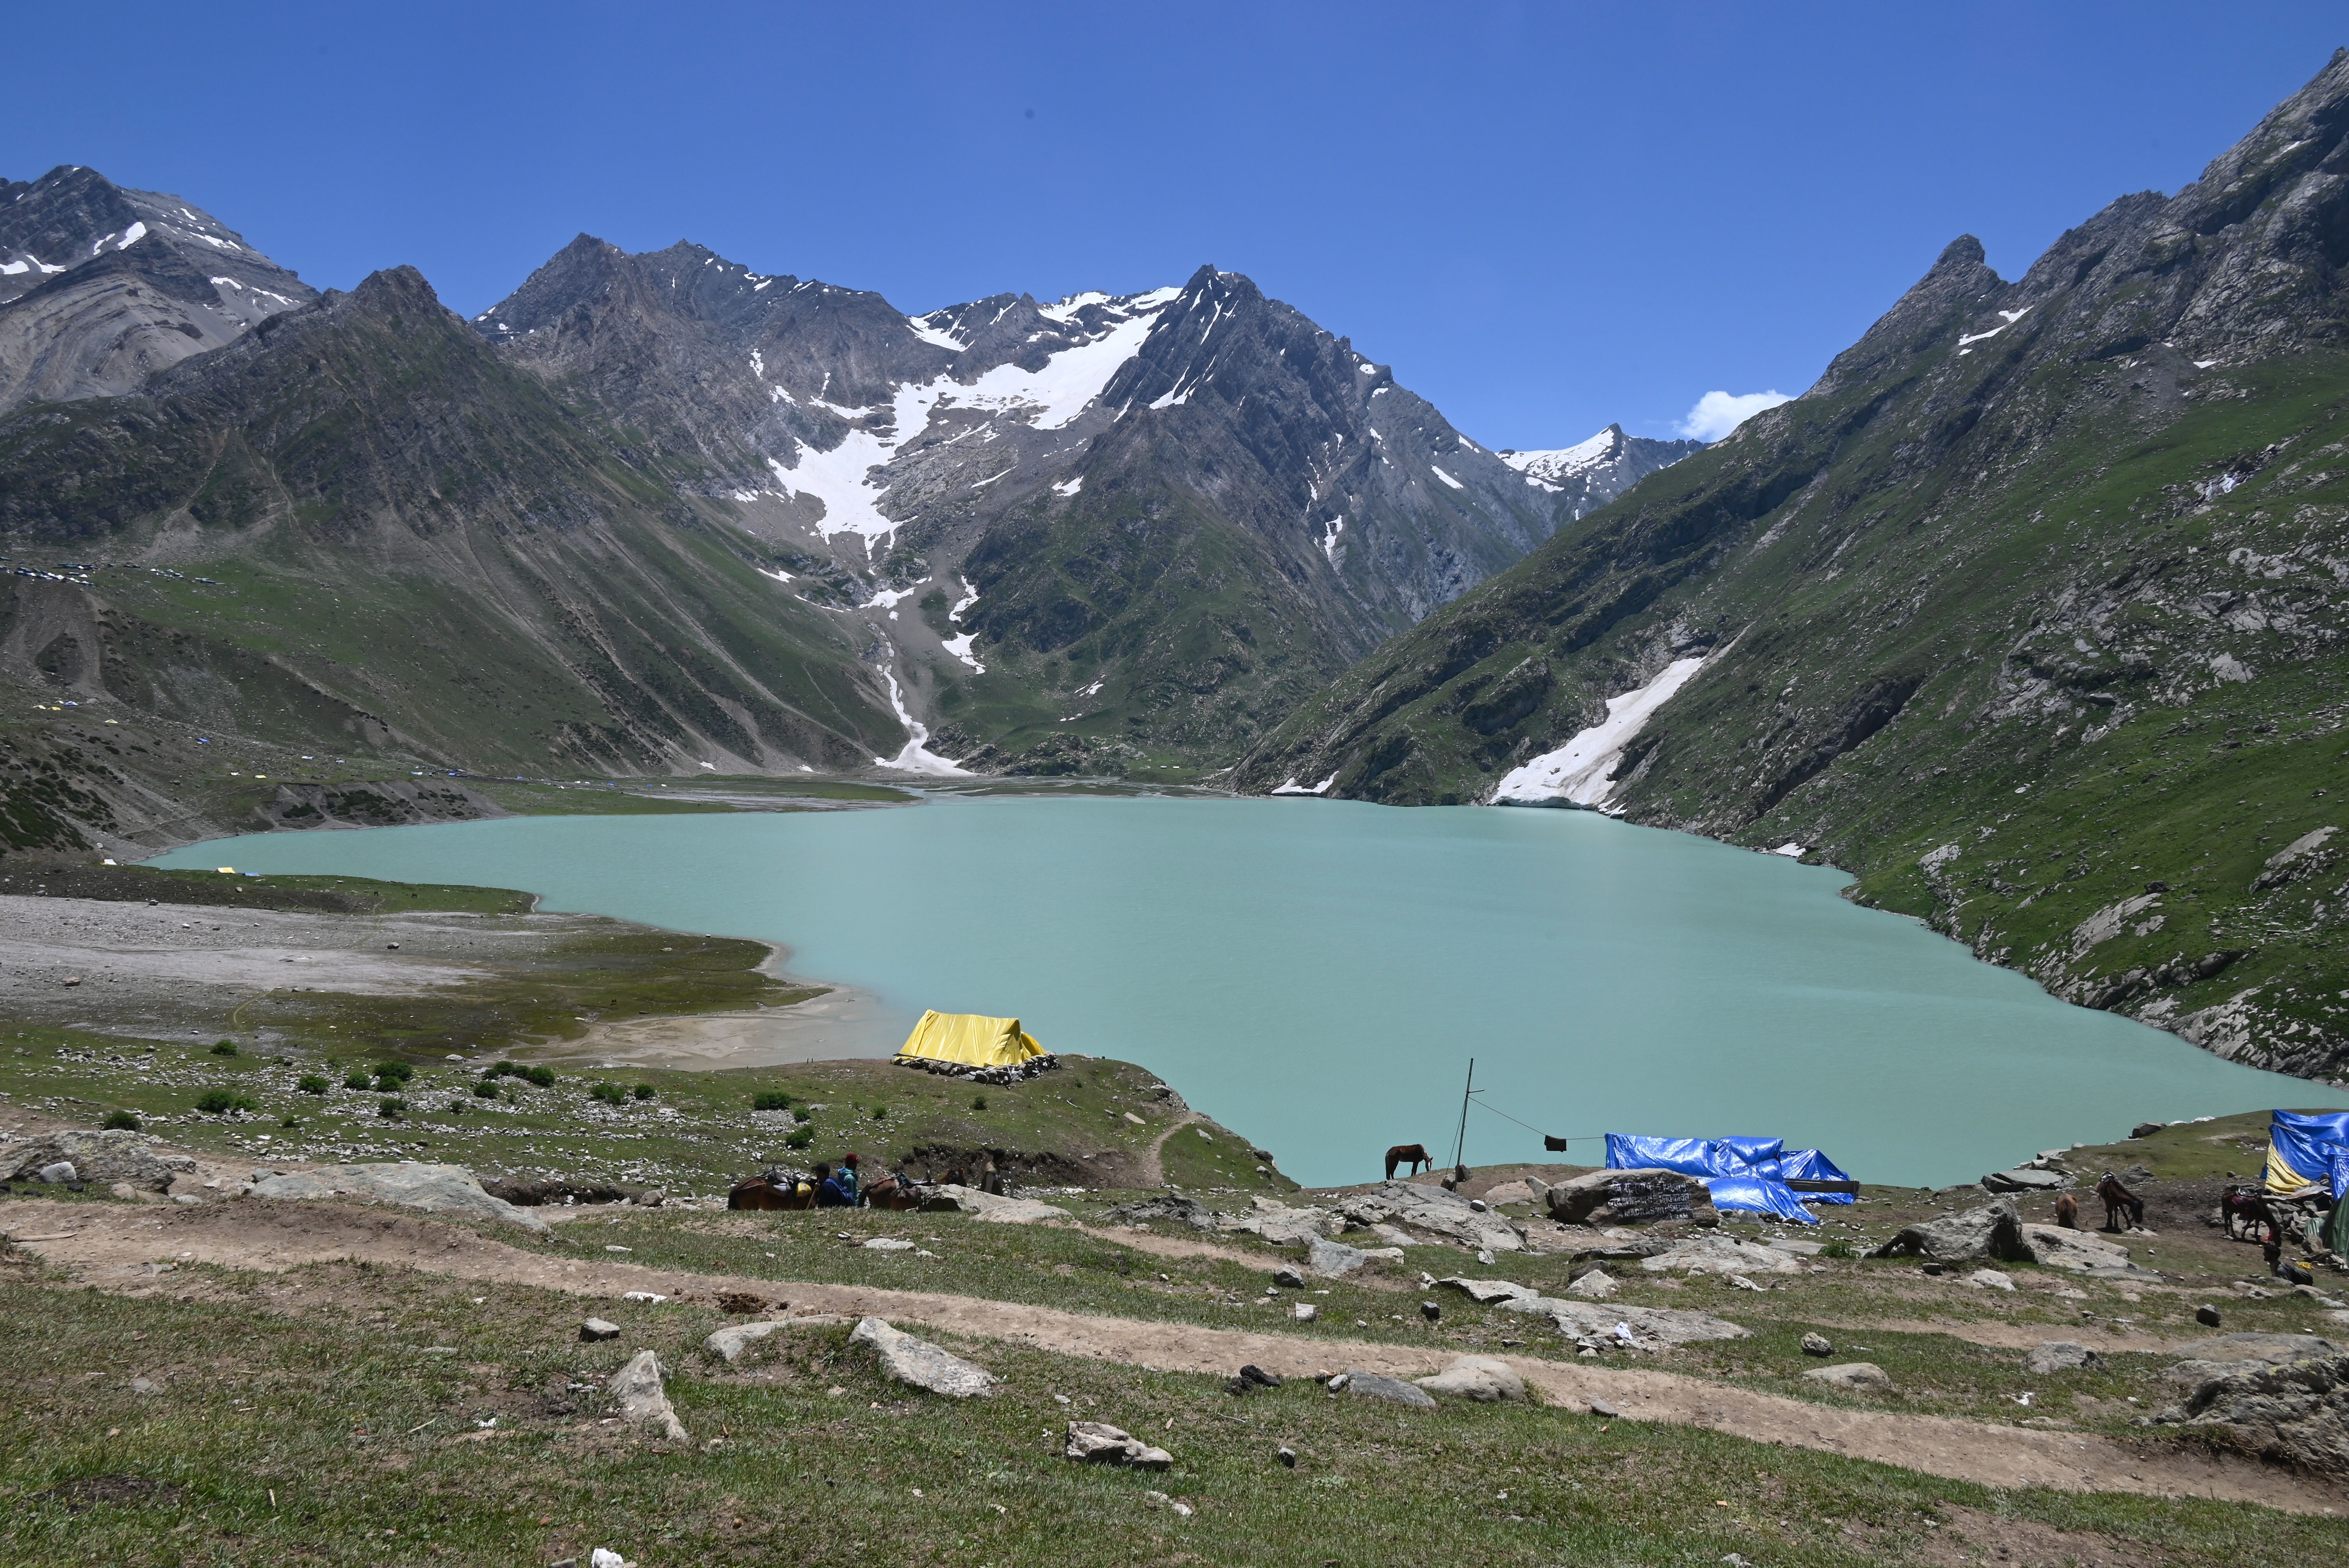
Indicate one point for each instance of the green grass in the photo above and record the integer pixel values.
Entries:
(299, 1417)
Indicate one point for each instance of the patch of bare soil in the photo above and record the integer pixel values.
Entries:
(1969, 1536)
(115, 1248)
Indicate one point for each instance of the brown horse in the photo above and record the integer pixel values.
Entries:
(1414, 1155)
(2067, 1212)
(2118, 1202)
(893, 1193)
(771, 1190)
(2245, 1212)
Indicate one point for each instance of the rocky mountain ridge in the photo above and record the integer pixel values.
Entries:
(101, 287)
(2031, 614)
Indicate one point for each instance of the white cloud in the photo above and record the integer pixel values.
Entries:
(1718, 413)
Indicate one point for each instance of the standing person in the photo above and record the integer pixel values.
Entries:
(847, 1176)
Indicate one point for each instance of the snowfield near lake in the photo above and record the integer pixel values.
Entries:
(1578, 771)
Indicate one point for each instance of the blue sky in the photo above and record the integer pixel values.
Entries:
(1544, 217)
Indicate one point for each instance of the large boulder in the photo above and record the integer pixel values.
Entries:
(1715, 1254)
(1333, 1260)
(97, 1157)
(1167, 1207)
(2295, 1413)
(1485, 1292)
(637, 1387)
(2082, 1252)
(2236, 1353)
(1394, 1390)
(435, 1189)
(1630, 1198)
(1850, 1374)
(1479, 1377)
(952, 1196)
(1435, 1212)
(2024, 1179)
(735, 1338)
(923, 1364)
(1991, 1230)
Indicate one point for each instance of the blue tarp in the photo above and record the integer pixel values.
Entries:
(1689, 1156)
(2339, 1171)
(2304, 1144)
(1759, 1194)
(1810, 1165)
(1755, 1153)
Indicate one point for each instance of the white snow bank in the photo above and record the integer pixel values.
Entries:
(960, 649)
(1578, 771)
(1294, 788)
(915, 757)
(1447, 479)
(1549, 467)
(1069, 487)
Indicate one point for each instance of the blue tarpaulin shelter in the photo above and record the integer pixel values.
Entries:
(2300, 1148)
(1747, 1174)
(1759, 1194)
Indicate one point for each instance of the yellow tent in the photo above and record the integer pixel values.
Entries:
(970, 1040)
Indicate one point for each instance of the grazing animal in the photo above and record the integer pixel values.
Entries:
(1414, 1155)
(892, 1192)
(2245, 1213)
(2120, 1201)
(2067, 1212)
(771, 1190)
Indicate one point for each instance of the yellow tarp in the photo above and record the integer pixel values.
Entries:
(2281, 1177)
(969, 1039)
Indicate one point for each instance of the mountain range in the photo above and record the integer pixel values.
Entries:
(2029, 614)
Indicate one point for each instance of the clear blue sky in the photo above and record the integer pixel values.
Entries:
(1545, 217)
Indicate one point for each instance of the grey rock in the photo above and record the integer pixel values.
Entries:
(923, 1364)
(637, 1387)
(1370, 1386)
(1283, 1225)
(597, 1328)
(735, 1338)
(57, 1174)
(1601, 1407)
(889, 1245)
(1601, 1198)
(2082, 1252)
(1596, 1285)
(1333, 1260)
(1991, 1230)
(2295, 1413)
(1099, 1443)
(1990, 1279)
(1289, 1276)
(185, 1197)
(1436, 1212)
(1650, 1327)
(1287, 1456)
(141, 1386)
(2062, 1356)
(1481, 1378)
(1801, 1249)
(2207, 1315)
(1851, 1375)
(2024, 1179)
(1171, 1207)
(1305, 1312)
(1485, 1292)
(1720, 1255)
(1817, 1344)
(435, 1189)
(988, 1206)
(101, 1157)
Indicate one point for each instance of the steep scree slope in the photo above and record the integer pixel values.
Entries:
(2029, 613)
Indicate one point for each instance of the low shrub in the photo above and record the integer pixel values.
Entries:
(504, 1069)
(221, 1102)
(978, 1102)
(609, 1093)
(543, 1077)
(226, 1049)
(391, 1075)
(122, 1121)
(289, 1122)
(880, 1112)
(487, 1089)
(645, 1091)
(391, 1108)
(359, 1078)
(800, 1139)
(771, 1099)
(311, 1083)
(1838, 1249)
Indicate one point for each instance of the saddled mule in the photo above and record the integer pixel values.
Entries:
(2245, 1212)
(1414, 1155)
(771, 1190)
(893, 1193)
(2120, 1201)
(2067, 1212)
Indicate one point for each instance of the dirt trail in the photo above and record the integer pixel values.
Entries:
(1154, 1159)
(109, 1247)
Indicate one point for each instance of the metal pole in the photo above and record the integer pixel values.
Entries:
(1460, 1144)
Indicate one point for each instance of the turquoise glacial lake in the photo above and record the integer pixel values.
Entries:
(1317, 974)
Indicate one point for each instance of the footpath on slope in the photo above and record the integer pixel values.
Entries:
(107, 1247)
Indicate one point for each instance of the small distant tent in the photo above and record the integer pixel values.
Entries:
(969, 1040)
(2301, 1149)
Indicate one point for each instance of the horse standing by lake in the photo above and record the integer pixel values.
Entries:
(2118, 1202)
(1414, 1155)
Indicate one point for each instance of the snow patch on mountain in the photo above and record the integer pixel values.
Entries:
(1550, 468)
(1577, 771)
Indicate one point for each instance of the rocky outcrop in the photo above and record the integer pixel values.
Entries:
(1481, 1378)
(1991, 1230)
(1099, 1443)
(921, 1365)
(1602, 1197)
(989, 1206)
(101, 1158)
(435, 1189)
(2290, 1411)
(1435, 1212)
